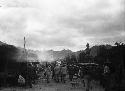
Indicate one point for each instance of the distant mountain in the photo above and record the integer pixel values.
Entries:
(33, 55)
(51, 55)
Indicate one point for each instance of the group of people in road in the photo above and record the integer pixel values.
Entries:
(57, 73)
(60, 73)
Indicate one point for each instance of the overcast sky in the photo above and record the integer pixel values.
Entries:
(59, 24)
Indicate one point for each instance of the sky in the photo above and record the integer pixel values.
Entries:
(62, 24)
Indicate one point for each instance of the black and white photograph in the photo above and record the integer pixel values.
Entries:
(62, 45)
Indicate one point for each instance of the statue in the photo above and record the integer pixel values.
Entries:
(87, 45)
(87, 49)
(87, 52)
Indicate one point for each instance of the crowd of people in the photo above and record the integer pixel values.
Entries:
(62, 73)
(57, 73)
(30, 73)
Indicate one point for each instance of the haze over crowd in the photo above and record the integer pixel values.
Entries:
(59, 24)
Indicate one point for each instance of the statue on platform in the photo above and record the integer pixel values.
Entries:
(87, 49)
(87, 52)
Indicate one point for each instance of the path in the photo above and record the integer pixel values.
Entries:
(52, 86)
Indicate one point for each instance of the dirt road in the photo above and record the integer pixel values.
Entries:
(52, 86)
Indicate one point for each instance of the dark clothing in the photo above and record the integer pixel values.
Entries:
(29, 74)
(63, 78)
(57, 73)
(88, 78)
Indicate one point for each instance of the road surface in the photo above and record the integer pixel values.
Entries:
(41, 85)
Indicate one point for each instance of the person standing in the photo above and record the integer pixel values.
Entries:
(57, 73)
(107, 77)
(63, 72)
(21, 80)
(71, 72)
(48, 74)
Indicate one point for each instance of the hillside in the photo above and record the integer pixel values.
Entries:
(33, 55)
(48, 55)
(95, 49)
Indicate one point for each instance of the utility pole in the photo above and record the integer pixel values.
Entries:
(25, 51)
(25, 58)
(24, 44)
